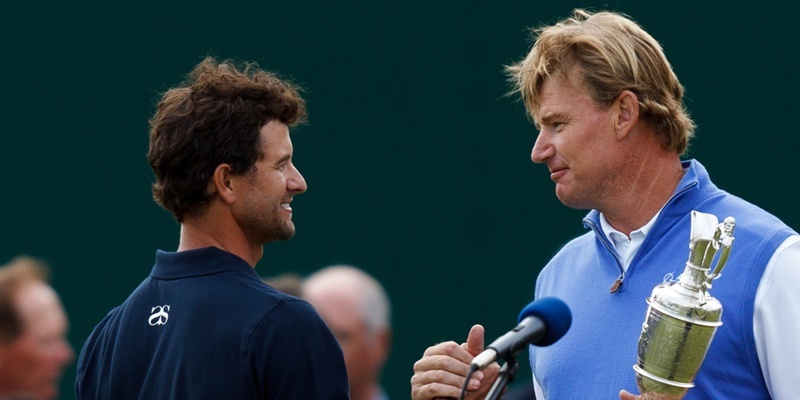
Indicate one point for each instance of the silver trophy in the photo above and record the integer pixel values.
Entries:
(682, 317)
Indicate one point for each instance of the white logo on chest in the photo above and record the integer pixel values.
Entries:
(159, 315)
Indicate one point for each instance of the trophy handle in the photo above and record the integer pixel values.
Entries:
(723, 237)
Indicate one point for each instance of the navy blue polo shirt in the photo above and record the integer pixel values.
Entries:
(204, 325)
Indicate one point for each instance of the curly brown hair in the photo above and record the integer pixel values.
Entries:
(214, 118)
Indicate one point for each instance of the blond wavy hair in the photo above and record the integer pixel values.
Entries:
(610, 53)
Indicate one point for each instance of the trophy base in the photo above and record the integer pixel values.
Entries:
(652, 387)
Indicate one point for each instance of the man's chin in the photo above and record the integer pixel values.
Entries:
(564, 197)
(288, 231)
(572, 202)
(282, 234)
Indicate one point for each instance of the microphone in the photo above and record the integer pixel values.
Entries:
(542, 323)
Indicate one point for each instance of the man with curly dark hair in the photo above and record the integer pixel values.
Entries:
(203, 325)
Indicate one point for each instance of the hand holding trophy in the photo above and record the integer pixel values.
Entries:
(682, 317)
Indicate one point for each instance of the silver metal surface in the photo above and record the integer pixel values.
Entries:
(682, 317)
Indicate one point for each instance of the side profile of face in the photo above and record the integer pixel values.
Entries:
(31, 365)
(264, 196)
(577, 142)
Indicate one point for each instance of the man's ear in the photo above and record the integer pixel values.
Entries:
(221, 183)
(627, 107)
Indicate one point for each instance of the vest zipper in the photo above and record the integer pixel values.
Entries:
(617, 283)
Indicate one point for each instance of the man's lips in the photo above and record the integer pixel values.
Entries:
(558, 173)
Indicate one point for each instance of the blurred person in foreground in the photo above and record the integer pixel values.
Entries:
(356, 308)
(612, 129)
(204, 325)
(33, 332)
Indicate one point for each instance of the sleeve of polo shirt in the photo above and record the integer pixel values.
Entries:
(776, 321)
(295, 355)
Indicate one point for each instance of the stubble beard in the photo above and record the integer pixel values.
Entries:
(266, 228)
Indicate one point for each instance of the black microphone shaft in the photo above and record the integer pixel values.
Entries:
(529, 331)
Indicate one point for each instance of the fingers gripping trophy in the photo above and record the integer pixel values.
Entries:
(682, 317)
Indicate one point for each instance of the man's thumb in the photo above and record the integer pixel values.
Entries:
(474, 344)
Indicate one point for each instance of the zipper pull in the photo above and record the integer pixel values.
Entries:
(616, 285)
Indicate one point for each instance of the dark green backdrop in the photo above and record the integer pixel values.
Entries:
(417, 164)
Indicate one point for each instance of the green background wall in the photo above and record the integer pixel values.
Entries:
(417, 164)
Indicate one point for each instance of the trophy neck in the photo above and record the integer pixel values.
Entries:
(695, 276)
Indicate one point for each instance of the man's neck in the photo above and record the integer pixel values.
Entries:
(214, 229)
(652, 183)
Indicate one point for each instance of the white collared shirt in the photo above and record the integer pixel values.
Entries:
(626, 247)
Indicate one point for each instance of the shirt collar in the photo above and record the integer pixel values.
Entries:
(615, 236)
(626, 248)
(203, 261)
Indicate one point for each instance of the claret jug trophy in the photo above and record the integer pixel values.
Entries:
(682, 317)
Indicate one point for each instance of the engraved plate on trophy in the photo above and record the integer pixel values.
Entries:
(682, 317)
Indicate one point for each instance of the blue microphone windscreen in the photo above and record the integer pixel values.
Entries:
(554, 313)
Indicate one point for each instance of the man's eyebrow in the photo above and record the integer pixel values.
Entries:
(550, 117)
(286, 157)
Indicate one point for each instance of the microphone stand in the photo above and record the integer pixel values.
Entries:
(507, 373)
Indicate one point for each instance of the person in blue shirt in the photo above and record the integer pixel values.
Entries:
(204, 325)
(612, 130)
